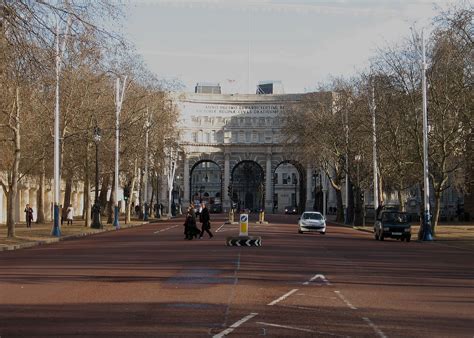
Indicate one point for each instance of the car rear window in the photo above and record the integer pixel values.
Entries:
(317, 217)
(395, 217)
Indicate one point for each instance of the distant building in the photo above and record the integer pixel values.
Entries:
(207, 88)
(270, 87)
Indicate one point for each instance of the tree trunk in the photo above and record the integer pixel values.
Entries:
(40, 219)
(132, 189)
(350, 202)
(400, 200)
(111, 204)
(67, 197)
(87, 213)
(13, 179)
(340, 207)
(437, 207)
(103, 194)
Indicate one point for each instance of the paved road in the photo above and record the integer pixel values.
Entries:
(148, 281)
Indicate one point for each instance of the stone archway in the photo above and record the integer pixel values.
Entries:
(294, 186)
(205, 182)
(248, 186)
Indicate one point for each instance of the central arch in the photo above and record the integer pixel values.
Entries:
(293, 185)
(248, 186)
(206, 182)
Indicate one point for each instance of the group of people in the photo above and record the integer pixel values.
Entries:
(190, 224)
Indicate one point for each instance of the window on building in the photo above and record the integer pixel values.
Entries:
(208, 138)
(247, 136)
(195, 136)
(275, 178)
(284, 178)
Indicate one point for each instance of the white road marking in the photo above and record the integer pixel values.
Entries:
(232, 293)
(286, 295)
(296, 328)
(174, 226)
(235, 325)
(374, 327)
(324, 279)
(340, 295)
(219, 228)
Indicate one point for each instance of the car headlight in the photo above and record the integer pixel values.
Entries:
(386, 229)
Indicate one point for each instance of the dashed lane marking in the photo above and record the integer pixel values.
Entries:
(235, 325)
(297, 329)
(324, 279)
(174, 226)
(374, 327)
(286, 295)
(344, 299)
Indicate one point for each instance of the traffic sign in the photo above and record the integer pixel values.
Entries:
(244, 225)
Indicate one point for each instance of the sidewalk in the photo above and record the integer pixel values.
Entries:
(40, 234)
(455, 234)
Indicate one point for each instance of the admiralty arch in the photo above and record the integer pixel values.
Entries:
(232, 154)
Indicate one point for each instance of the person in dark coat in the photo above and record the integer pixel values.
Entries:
(190, 229)
(28, 215)
(205, 219)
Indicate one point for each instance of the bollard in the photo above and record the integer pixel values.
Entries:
(244, 239)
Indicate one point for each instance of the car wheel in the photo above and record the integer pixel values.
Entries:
(300, 232)
(381, 238)
(323, 233)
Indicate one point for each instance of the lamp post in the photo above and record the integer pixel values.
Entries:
(57, 174)
(145, 174)
(374, 153)
(118, 106)
(425, 233)
(96, 224)
(357, 159)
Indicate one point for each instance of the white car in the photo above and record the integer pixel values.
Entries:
(312, 221)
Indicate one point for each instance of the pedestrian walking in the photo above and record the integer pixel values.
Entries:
(190, 229)
(28, 215)
(70, 214)
(205, 219)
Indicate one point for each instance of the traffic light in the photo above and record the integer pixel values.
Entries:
(362, 197)
(229, 190)
(126, 193)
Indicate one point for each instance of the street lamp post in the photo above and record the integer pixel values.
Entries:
(425, 230)
(118, 106)
(374, 153)
(145, 174)
(96, 224)
(357, 159)
(57, 174)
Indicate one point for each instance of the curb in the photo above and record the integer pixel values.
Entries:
(12, 247)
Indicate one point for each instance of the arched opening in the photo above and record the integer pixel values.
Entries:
(206, 183)
(289, 188)
(248, 186)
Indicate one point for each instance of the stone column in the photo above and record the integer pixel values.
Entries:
(186, 173)
(268, 184)
(226, 199)
(309, 187)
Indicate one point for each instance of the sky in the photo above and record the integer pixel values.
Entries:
(238, 43)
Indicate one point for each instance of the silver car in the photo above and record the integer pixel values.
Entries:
(312, 221)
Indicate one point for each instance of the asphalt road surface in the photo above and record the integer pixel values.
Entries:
(149, 281)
